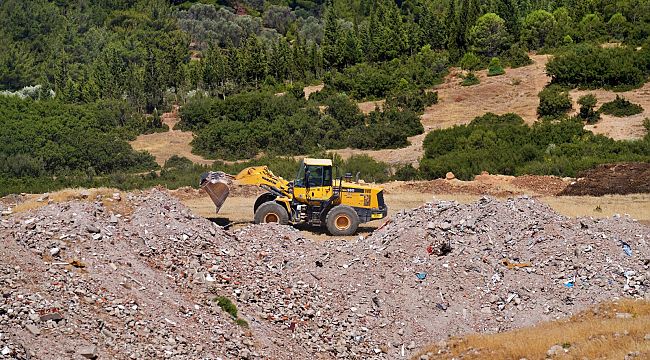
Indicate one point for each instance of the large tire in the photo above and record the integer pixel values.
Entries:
(271, 212)
(342, 220)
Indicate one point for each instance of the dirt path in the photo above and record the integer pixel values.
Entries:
(173, 142)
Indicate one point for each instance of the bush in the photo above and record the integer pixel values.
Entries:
(470, 62)
(406, 173)
(554, 101)
(227, 305)
(595, 67)
(516, 57)
(244, 125)
(587, 104)
(495, 67)
(413, 99)
(506, 145)
(620, 107)
(470, 79)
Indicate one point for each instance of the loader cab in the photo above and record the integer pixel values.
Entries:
(314, 180)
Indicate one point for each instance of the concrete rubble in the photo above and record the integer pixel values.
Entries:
(138, 279)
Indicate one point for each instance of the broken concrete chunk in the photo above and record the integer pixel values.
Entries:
(89, 352)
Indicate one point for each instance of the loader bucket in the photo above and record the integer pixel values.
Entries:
(217, 185)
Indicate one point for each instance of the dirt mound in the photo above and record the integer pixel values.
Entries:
(493, 185)
(628, 178)
(543, 185)
(79, 278)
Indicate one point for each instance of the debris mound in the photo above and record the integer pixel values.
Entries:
(84, 281)
(623, 179)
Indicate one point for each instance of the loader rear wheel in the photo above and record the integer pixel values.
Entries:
(342, 220)
(271, 212)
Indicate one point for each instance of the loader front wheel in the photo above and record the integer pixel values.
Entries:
(271, 212)
(342, 220)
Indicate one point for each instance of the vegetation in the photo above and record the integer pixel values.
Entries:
(495, 67)
(470, 79)
(79, 79)
(244, 125)
(587, 113)
(554, 101)
(620, 107)
(506, 145)
(227, 305)
(596, 67)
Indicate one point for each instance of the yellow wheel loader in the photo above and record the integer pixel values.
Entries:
(315, 197)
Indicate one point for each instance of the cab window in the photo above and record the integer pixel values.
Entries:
(318, 176)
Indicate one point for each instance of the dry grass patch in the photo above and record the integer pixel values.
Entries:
(609, 331)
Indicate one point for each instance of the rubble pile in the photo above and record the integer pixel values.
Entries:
(80, 280)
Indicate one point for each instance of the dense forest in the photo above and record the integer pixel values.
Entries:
(80, 78)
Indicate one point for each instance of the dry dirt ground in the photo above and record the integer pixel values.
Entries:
(399, 195)
(619, 128)
(165, 144)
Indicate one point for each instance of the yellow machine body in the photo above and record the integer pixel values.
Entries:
(314, 197)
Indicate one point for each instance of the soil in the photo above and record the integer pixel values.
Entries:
(627, 178)
(173, 142)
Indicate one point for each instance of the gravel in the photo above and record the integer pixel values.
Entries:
(146, 286)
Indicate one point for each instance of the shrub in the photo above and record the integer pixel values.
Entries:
(516, 57)
(406, 173)
(620, 107)
(470, 79)
(554, 101)
(506, 145)
(495, 67)
(227, 305)
(587, 104)
(178, 162)
(595, 67)
(413, 99)
(470, 62)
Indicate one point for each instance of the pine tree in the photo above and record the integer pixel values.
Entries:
(330, 36)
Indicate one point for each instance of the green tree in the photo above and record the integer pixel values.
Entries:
(587, 104)
(495, 68)
(489, 36)
(591, 27)
(617, 26)
(537, 29)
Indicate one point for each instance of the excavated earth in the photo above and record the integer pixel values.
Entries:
(625, 178)
(137, 278)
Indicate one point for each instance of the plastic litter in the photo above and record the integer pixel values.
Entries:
(421, 275)
(627, 249)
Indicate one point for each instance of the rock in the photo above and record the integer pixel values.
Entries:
(113, 219)
(411, 345)
(647, 337)
(117, 196)
(43, 197)
(89, 352)
(92, 229)
(5, 351)
(84, 194)
(424, 357)
(450, 176)
(494, 298)
(555, 350)
(54, 251)
(56, 316)
(623, 315)
(33, 329)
